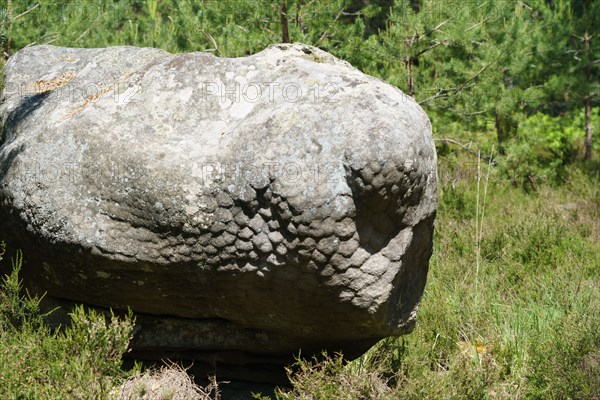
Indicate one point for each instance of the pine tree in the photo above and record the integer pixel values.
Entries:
(572, 62)
(463, 61)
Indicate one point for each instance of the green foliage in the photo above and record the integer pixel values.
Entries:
(81, 361)
(569, 71)
(16, 311)
(99, 343)
(543, 147)
(4, 27)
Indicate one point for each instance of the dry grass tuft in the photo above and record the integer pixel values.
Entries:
(170, 382)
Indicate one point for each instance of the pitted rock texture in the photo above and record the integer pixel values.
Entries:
(285, 193)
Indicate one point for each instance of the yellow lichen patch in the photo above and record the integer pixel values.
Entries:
(43, 86)
(90, 99)
(96, 96)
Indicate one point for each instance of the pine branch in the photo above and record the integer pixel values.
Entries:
(26, 11)
(489, 158)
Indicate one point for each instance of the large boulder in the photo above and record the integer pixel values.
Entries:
(247, 206)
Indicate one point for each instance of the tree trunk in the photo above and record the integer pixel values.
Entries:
(506, 127)
(500, 131)
(285, 31)
(299, 17)
(410, 83)
(6, 49)
(415, 5)
(588, 124)
(588, 129)
(408, 61)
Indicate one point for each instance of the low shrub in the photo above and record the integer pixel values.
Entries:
(82, 360)
(330, 378)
